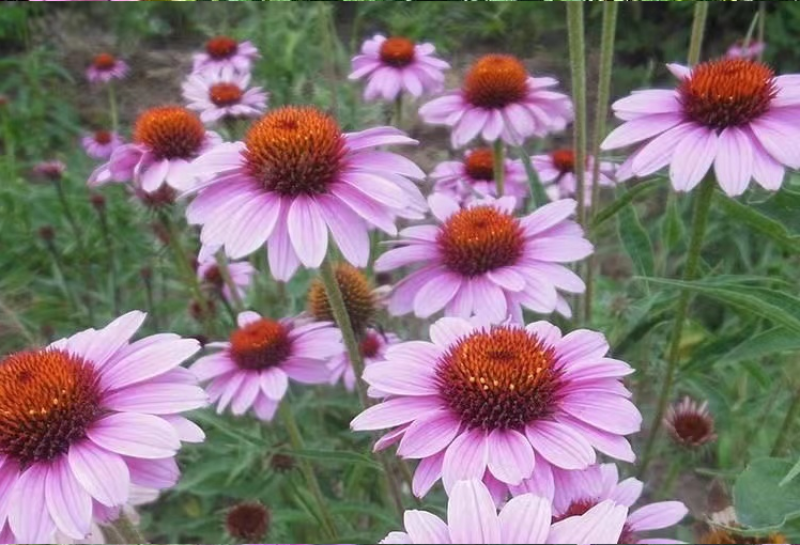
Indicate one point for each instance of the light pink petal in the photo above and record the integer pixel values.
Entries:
(489, 301)
(679, 71)
(274, 383)
(471, 514)
(560, 445)
(471, 124)
(693, 156)
(653, 101)
(157, 399)
(372, 212)
(283, 261)
(447, 331)
(377, 188)
(397, 538)
(213, 366)
(442, 206)
(246, 394)
(494, 126)
(429, 435)
(582, 344)
(540, 483)
(348, 229)
(507, 278)
(657, 516)
(603, 523)
(101, 473)
(68, 503)
(154, 176)
(658, 153)
(307, 231)
(157, 474)
(307, 371)
(525, 519)
(546, 332)
(548, 216)
(434, 295)
(376, 136)
(145, 360)
(627, 492)
(465, 458)
(560, 249)
(406, 255)
(28, 517)
(265, 408)
(778, 139)
(113, 337)
(734, 163)
(425, 528)
(187, 431)
(640, 129)
(137, 435)
(407, 379)
(254, 228)
(428, 472)
(510, 456)
(767, 172)
(610, 444)
(609, 413)
(394, 412)
(9, 473)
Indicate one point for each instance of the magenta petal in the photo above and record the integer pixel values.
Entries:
(158, 474)
(68, 503)
(28, 517)
(471, 514)
(102, 474)
(657, 516)
(692, 158)
(157, 399)
(525, 519)
(394, 412)
(428, 472)
(510, 456)
(429, 435)
(136, 435)
(560, 445)
(424, 527)
(734, 163)
(274, 383)
(465, 458)
(307, 231)
(146, 359)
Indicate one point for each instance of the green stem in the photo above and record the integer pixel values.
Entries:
(788, 422)
(112, 265)
(702, 206)
(762, 26)
(398, 111)
(151, 305)
(225, 272)
(328, 29)
(112, 106)
(308, 472)
(499, 164)
(127, 530)
(698, 31)
(8, 143)
(60, 276)
(577, 58)
(62, 197)
(17, 323)
(601, 114)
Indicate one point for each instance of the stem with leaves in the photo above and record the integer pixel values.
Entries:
(577, 59)
(499, 164)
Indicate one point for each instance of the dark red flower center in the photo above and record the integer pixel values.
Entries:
(727, 92)
(495, 81)
(502, 379)
(370, 345)
(171, 132)
(581, 507)
(295, 151)
(476, 240)
(48, 399)
(102, 137)
(225, 94)
(261, 345)
(162, 197)
(563, 160)
(397, 52)
(221, 47)
(693, 427)
(248, 521)
(213, 276)
(479, 164)
(104, 62)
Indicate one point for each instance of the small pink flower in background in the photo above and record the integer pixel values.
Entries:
(106, 67)
(241, 275)
(373, 348)
(224, 52)
(223, 93)
(483, 260)
(751, 51)
(101, 144)
(395, 65)
(51, 171)
(733, 114)
(473, 518)
(296, 177)
(253, 369)
(473, 177)
(165, 140)
(556, 171)
(85, 418)
(500, 100)
(575, 492)
(502, 404)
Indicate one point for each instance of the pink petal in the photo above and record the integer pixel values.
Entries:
(692, 158)
(283, 261)
(68, 503)
(447, 331)
(525, 519)
(154, 176)
(471, 124)
(627, 492)
(28, 517)
(582, 344)
(101, 473)
(274, 383)
(548, 216)
(429, 435)
(658, 153)
(406, 255)
(778, 139)
(657, 516)
(465, 458)
(767, 172)
(348, 230)
(213, 366)
(609, 413)
(137, 435)
(158, 474)
(423, 527)
(471, 514)
(434, 295)
(307, 231)
(406, 379)
(144, 360)
(394, 412)
(157, 399)
(249, 390)
(640, 129)
(510, 456)
(428, 472)
(610, 444)
(560, 445)
(734, 163)
(603, 523)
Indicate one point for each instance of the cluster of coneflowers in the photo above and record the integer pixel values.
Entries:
(511, 414)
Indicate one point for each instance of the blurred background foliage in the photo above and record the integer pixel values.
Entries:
(47, 105)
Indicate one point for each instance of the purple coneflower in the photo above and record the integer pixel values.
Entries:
(224, 52)
(556, 171)
(106, 67)
(101, 144)
(223, 94)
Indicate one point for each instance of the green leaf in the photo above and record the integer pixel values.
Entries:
(538, 194)
(621, 202)
(761, 501)
(673, 228)
(337, 456)
(775, 306)
(636, 241)
(793, 473)
(768, 218)
(770, 342)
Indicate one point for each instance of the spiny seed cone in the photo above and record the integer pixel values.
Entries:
(720, 536)
(357, 293)
(282, 463)
(248, 521)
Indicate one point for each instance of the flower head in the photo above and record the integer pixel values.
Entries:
(373, 345)
(295, 178)
(484, 260)
(359, 299)
(556, 171)
(209, 274)
(690, 423)
(473, 177)
(734, 114)
(575, 492)
(254, 367)
(52, 171)
(225, 52)
(85, 418)
(106, 67)
(396, 64)
(751, 51)
(165, 140)
(248, 521)
(101, 144)
(223, 94)
(500, 100)
(473, 518)
(491, 402)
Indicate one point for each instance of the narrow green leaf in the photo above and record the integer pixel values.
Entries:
(764, 218)
(673, 228)
(337, 456)
(622, 201)
(759, 498)
(636, 241)
(793, 473)
(538, 194)
(770, 342)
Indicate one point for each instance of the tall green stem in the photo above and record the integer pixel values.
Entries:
(762, 26)
(225, 272)
(601, 114)
(577, 59)
(112, 263)
(698, 31)
(112, 106)
(17, 323)
(127, 530)
(398, 111)
(788, 422)
(308, 472)
(499, 164)
(67, 209)
(702, 206)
